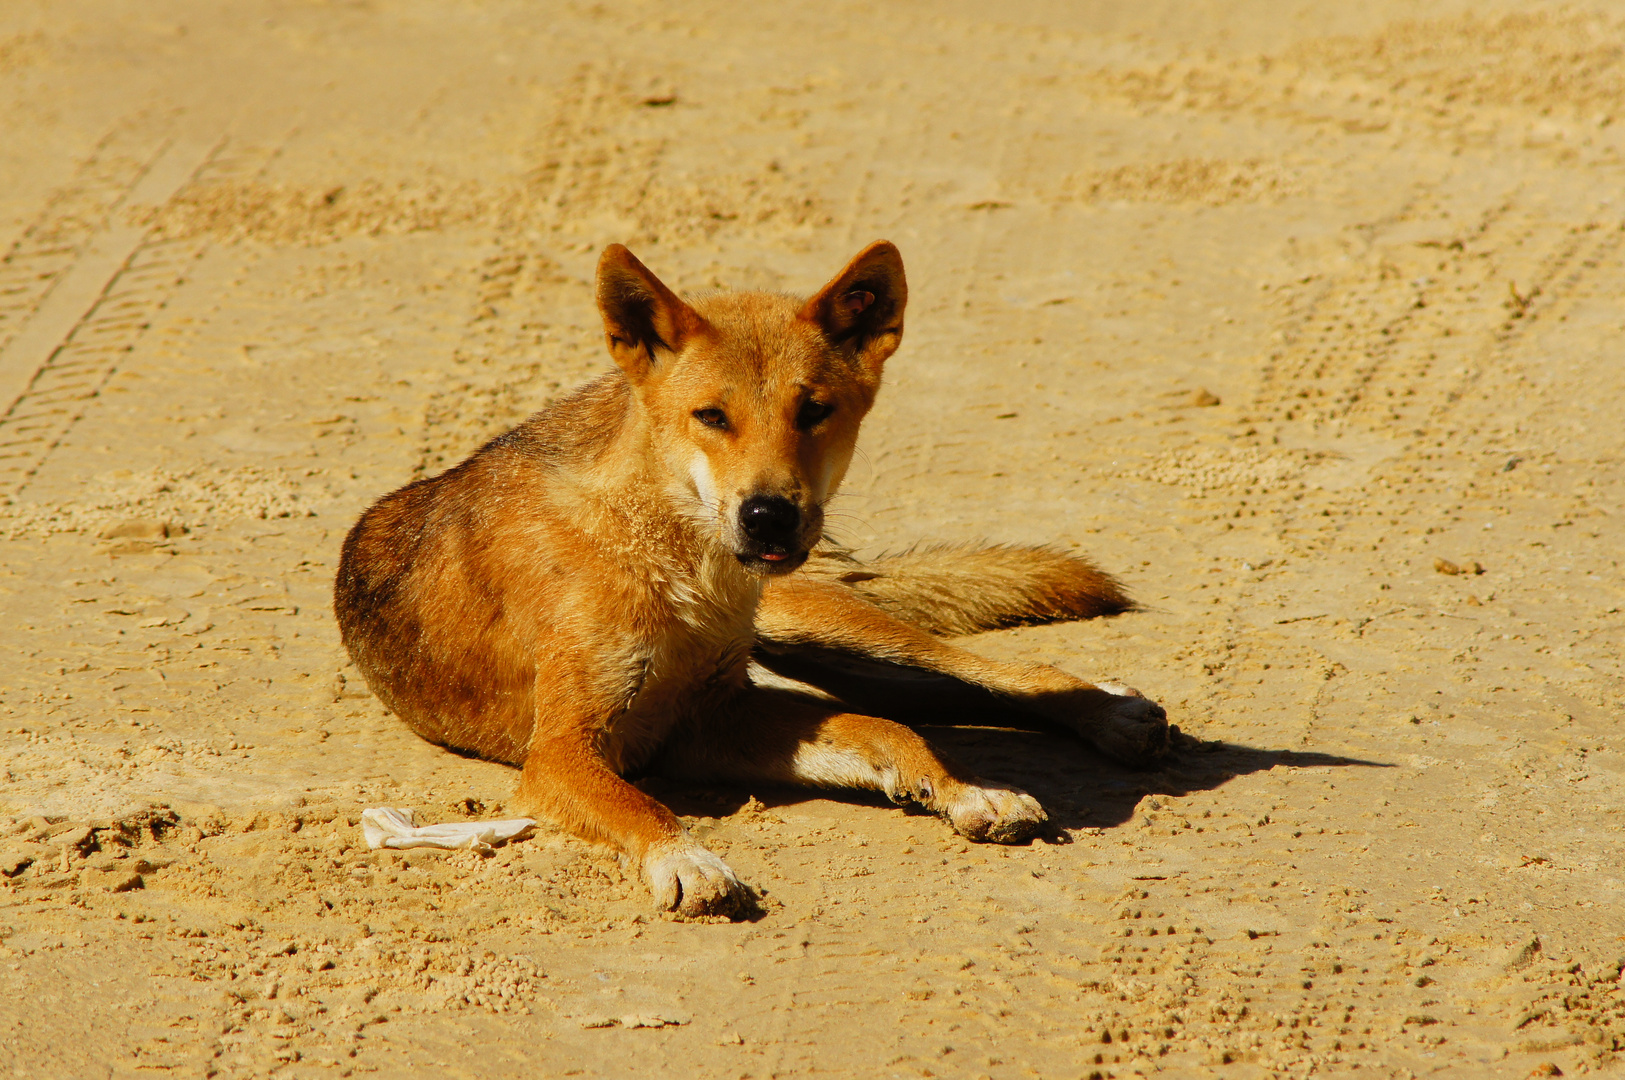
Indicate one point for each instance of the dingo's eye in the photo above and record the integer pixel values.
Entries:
(712, 418)
(812, 412)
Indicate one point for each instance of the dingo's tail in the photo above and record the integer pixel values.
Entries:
(964, 589)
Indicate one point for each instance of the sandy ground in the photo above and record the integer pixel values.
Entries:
(1268, 307)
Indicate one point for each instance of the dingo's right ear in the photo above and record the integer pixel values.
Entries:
(640, 314)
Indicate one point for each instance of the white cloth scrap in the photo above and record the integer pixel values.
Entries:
(393, 828)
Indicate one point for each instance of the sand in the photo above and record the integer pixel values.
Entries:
(1303, 318)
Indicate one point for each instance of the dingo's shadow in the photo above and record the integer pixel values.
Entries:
(1083, 789)
(1078, 786)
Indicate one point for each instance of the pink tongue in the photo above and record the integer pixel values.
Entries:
(770, 557)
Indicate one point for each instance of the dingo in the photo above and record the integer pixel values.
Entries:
(584, 596)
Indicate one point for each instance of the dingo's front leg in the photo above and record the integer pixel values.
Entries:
(784, 737)
(567, 780)
(565, 777)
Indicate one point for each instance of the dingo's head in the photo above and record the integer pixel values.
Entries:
(753, 400)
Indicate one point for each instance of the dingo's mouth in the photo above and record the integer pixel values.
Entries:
(771, 559)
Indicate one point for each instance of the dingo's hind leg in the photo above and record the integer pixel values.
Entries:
(818, 619)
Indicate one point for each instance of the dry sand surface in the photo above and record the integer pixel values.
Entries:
(1305, 318)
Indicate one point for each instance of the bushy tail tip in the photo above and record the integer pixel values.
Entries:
(965, 589)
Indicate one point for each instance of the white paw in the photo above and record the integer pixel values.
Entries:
(995, 812)
(1129, 726)
(691, 881)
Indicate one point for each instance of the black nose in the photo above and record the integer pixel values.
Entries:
(769, 519)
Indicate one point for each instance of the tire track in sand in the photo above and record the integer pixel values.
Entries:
(84, 283)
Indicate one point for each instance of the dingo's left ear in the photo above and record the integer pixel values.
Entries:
(641, 315)
(862, 309)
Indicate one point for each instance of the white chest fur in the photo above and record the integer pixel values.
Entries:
(703, 633)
